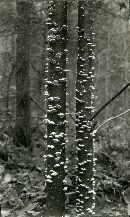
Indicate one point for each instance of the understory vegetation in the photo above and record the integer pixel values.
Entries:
(22, 173)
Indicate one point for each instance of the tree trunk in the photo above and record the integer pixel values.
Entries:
(22, 73)
(56, 118)
(84, 109)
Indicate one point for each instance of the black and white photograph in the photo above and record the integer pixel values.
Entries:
(64, 108)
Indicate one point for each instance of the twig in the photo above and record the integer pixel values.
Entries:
(71, 115)
(8, 86)
(4, 120)
(33, 100)
(110, 119)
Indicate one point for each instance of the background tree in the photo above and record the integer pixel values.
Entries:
(84, 107)
(56, 107)
(112, 60)
(22, 73)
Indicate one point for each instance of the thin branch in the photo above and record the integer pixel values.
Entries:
(109, 101)
(38, 105)
(8, 86)
(110, 12)
(110, 119)
(112, 72)
(71, 116)
(4, 120)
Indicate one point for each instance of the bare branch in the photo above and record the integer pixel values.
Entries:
(109, 101)
(38, 105)
(71, 115)
(110, 119)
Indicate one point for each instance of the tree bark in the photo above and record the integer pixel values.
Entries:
(84, 108)
(56, 108)
(22, 73)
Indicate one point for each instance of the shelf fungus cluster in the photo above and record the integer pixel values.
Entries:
(84, 109)
(56, 106)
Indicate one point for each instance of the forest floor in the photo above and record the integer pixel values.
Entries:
(22, 186)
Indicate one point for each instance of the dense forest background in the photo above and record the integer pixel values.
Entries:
(23, 76)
